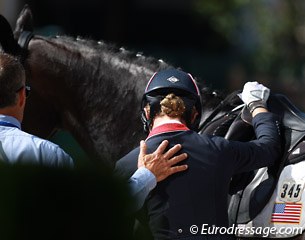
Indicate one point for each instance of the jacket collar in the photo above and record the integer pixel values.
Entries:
(167, 127)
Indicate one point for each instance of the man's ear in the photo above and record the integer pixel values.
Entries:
(21, 98)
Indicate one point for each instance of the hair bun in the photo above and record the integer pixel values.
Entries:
(172, 106)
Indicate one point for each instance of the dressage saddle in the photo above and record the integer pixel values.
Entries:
(250, 191)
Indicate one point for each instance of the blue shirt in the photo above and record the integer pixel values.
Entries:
(17, 146)
(140, 184)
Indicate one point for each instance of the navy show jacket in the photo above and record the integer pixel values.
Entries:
(199, 195)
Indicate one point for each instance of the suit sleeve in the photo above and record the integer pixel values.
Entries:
(127, 165)
(263, 151)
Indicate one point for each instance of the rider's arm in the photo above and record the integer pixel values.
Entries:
(266, 149)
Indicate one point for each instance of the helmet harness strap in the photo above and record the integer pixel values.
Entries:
(154, 106)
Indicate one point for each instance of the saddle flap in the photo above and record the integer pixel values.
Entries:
(279, 104)
(297, 154)
(290, 115)
(292, 119)
(234, 132)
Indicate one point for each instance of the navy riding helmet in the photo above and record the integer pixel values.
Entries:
(167, 81)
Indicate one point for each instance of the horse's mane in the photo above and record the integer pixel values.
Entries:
(98, 48)
(99, 54)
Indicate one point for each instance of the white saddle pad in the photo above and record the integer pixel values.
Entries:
(284, 215)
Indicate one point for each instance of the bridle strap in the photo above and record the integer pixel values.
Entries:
(23, 41)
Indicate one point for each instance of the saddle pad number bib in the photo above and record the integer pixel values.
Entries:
(291, 191)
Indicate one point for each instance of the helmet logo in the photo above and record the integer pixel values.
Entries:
(173, 79)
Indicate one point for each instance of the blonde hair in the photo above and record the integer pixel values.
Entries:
(172, 106)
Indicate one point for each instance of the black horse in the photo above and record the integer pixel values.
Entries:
(94, 89)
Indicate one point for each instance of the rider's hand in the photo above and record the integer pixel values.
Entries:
(255, 95)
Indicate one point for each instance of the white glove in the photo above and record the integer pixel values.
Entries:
(254, 92)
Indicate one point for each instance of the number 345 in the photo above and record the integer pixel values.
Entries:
(291, 191)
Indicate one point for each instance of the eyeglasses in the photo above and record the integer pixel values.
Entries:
(27, 90)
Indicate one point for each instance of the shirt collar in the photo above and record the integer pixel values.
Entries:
(167, 127)
(11, 120)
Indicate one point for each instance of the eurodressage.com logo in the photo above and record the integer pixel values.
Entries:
(205, 229)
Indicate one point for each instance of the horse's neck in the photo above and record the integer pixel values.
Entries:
(98, 67)
(98, 92)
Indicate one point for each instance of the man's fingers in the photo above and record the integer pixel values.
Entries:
(143, 148)
(161, 148)
(176, 169)
(171, 170)
(171, 152)
(177, 159)
(142, 153)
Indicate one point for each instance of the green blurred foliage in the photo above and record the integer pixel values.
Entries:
(267, 35)
(264, 30)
